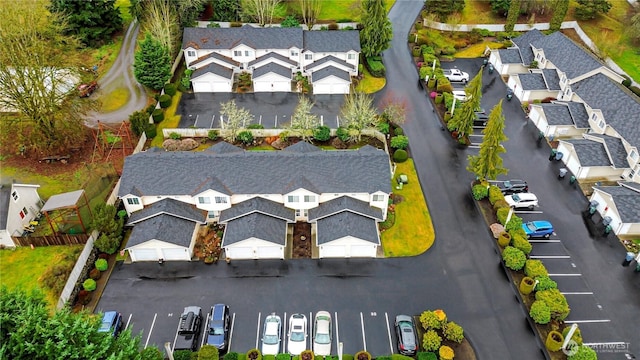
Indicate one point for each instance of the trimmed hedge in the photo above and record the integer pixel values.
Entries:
(535, 268)
(545, 283)
(165, 101)
(400, 156)
(157, 115)
(556, 301)
(479, 191)
(431, 341)
(495, 194)
(375, 66)
(170, 89)
(151, 131)
(520, 242)
(513, 258)
(424, 356)
(89, 285)
(101, 264)
(322, 133)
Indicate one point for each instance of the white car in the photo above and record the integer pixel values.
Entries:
(460, 95)
(322, 333)
(297, 336)
(522, 200)
(271, 335)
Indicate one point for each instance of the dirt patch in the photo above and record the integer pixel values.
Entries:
(301, 246)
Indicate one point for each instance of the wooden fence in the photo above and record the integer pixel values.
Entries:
(49, 240)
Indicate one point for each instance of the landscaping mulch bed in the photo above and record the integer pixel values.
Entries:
(301, 247)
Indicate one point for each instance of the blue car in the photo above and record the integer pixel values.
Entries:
(219, 321)
(538, 229)
(111, 323)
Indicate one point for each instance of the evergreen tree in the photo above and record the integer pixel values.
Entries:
(634, 28)
(93, 22)
(589, 9)
(226, 10)
(512, 15)
(376, 33)
(488, 163)
(443, 8)
(559, 12)
(462, 120)
(152, 65)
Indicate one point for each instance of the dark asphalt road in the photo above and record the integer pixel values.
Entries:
(460, 273)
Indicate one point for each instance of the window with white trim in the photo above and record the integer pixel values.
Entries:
(15, 196)
(204, 200)
(594, 117)
(294, 53)
(237, 53)
(24, 210)
(302, 212)
(293, 198)
(221, 199)
(378, 197)
(247, 53)
(309, 198)
(191, 53)
(308, 56)
(633, 154)
(351, 56)
(601, 124)
(133, 201)
(213, 214)
(631, 173)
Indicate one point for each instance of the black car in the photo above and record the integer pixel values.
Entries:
(512, 186)
(406, 333)
(219, 321)
(480, 119)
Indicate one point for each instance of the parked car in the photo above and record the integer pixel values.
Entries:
(189, 329)
(456, 75)
(481, 119)
(85, 90)
(111, 323)
(512, 186)
(522, 200)
(541, 228)
(271, 335)
(322, 333)
(406, 333)
(459, 95)
(297, 337)
(219, 323)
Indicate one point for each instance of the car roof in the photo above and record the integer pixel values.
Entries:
(109, 316)
(218, 310)
(541, 223)
(404, 318)
(526, 196)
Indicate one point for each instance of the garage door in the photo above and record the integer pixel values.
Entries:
(143, 255)
(272, 86)
(337, 251)
(239, 252)
(270, 252)
(202, 86)
(363, 251)
(176, 254)
(331, 88)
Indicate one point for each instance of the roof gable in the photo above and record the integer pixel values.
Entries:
(272, 68)
(345, 224)
(627, 202)
(171, 207)
(330, 71)
(590, 153)
(566, 55)
(165, 228)
(256, 38)
(259, 205)
(215, 69)
(255, 225)
(344, 203)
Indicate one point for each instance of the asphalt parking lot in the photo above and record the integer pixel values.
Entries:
(271, 110)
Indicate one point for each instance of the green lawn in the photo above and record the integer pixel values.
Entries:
(336, 10)
(21, 268)
(171, 120)
(413, 233)
(370, 84)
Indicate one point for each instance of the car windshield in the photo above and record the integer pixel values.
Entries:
(531, 226)
(323, 338)
(216, 330)
(270, 339)
(515, 198)
(297, 335)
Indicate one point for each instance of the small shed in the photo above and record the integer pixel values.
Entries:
(65, 212)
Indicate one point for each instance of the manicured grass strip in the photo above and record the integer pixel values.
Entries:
(21, 268)
(476, 50)
(370, 84)
(412, 234)
(171, 120)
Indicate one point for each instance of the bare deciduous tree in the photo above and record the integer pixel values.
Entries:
(161, 21)
(310, 10)
(303, 122)
(261, 10)
(234, 119)
(358, 113)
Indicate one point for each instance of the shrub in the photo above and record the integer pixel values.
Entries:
(170, 89)
(584, 353)
(208, 352)
(453, 332)
(157, 115)
(254, 354)
(182, 355)
(108, 243)
(446, 353)
(400, 156)
(175, 136)
(333, 26)
(290, 22)
(322, 133)
(535, 268)
(545, 283)
(284, 136)
(235, 24)
(137, 122)
(375, 66)
(499, 204)
(635, 90)
(424, 356)
(342, 134)
(362, 355)
(94, 274)
(556, 301)
(151, 353)
(521, 243)
(185, 82)
(383, 127)
(479, 191)
(255, 126)
(89, 285)
(513, 258)
(101, 264)
(431, 340)
(495, 194)
(212, 135)
(501, 213)
(540, 312)
(246, 137)
(399, 142)
(514, 224)
(444, 85)
(627, 81)
(577, 335)
(429, 320)
(151, 131)
(165, 101)
(55, 276)
(234, 356)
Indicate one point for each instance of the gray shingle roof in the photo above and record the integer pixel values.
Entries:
(566, 55)
(510, 56)
(329, 71)
(551, 78)
(223, 147)
(165, 228)
(328, 59)
(579, 114)
(618, 105)
(532, 81)
(259, 205)
(273, 56)
(347, 224)
(255, 225)
(152, 173)
(627, 202)
(557, 114)
(215, 55)
(170, 207)
(590, 153)
(272, 68)
(301, 147)
(214, 69)
(256, 38)
(634, 186)
(523, 41)
(344, 203)
(616, 150)
(332, 41)
(300, 183)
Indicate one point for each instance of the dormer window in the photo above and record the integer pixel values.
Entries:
(351, 56)
(133, 201)
(601, 124)
(191, 53)
(204, 200)
(308, 56)
(293, 198)
(309, 198)
(237, 53)
(294, 53)
(221, 200)
(378, 198)
(14, 195)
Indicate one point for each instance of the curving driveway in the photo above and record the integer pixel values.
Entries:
(121, 76)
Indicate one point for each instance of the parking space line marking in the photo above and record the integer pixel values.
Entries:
(528, 212)
(386, 316)
(258, 329)
(176, 337)
(577, 293)
(364, 340)
(206, 329)
(472, 146)
(151, 329)
(476, 135)
(284, 333)
(335, 317)
(260, 121)
(311, 323)
(544, 241)
(128, 321)
(565, 274)
(195, 124)
(213, 119)
(321, 120)
(276, 122)
(233, 322)
(587, 321)
(550, 257)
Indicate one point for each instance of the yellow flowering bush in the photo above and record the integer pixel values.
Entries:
(446, 353)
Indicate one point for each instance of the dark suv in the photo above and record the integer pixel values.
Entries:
(512, 186)
(219, 321)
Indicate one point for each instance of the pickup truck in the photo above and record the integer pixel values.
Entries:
(456, 75)
(189, 329)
